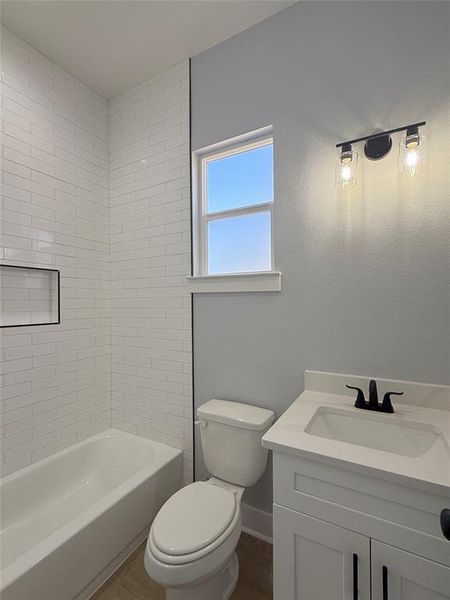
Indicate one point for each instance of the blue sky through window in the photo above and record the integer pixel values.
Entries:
(240, 244)
(242, 179)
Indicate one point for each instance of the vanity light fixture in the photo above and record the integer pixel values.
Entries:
(377, 146)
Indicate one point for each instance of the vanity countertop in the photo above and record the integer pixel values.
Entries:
(429, 470)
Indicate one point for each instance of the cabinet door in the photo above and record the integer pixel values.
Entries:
(314, 560)
(399, 575)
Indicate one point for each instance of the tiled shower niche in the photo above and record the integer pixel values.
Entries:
(29, 296)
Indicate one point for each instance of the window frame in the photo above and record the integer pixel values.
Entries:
(200, 215)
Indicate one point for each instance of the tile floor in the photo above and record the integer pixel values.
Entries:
(131, 582)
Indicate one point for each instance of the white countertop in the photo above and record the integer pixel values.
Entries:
(429, 471)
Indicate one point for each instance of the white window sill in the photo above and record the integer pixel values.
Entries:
(268, 281)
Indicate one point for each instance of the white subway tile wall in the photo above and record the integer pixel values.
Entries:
(113, 213)
(150, 259)
(56, 379)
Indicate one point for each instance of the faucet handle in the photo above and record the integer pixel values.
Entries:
(360, 401)
(387, 404)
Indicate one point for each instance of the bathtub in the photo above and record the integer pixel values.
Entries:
(68, 521)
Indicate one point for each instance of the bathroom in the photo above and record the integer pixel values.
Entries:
(216, 215)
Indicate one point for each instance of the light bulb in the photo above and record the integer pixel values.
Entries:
(411, 160)
(346, 173)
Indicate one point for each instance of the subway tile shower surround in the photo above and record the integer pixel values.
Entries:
(150, 259)
(55, 213)
(105, 199)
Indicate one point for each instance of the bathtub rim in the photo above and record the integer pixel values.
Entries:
(31, 557)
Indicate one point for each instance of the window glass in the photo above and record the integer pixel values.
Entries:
(241, 179)
(240, 244)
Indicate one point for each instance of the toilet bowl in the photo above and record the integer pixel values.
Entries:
(192, 542)
(191, 548)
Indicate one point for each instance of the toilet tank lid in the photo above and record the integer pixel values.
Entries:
(244, 416)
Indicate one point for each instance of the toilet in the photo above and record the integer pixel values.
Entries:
(192, 542)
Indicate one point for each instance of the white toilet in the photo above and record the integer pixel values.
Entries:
(191, 546)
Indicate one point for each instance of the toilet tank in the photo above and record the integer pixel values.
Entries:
(231, 435)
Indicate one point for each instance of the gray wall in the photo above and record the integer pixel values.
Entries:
(364, 276)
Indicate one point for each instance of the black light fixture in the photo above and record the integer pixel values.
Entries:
(377, 146)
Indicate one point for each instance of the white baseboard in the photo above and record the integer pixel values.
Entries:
(257, 522)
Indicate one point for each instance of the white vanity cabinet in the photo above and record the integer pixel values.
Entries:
(345, 535)
(405, 576)
(316, 560)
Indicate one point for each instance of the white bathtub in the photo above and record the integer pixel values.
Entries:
(67, 522)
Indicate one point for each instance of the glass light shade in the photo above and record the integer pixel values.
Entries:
(412, 154)
(346, 166)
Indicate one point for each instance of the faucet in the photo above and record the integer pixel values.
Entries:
(373, 395)
(373, 404)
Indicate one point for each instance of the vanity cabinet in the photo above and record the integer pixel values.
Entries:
(346, 535)
(316, 560)
(405, 576)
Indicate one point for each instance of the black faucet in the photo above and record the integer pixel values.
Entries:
(373, 404)
(373, 395)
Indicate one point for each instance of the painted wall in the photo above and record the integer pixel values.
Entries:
(364, 277)
(150, 258)
(56, 382)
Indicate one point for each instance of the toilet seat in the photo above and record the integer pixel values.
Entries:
(198, 570)
(194, 522)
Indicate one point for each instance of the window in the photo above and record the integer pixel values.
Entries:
(233, 209)
(237, 199)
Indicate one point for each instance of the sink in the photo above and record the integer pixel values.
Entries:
(371, 430)
(412, 445)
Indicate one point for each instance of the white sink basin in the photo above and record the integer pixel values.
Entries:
(373, 430)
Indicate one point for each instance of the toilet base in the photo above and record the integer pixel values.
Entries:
(218, 587)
